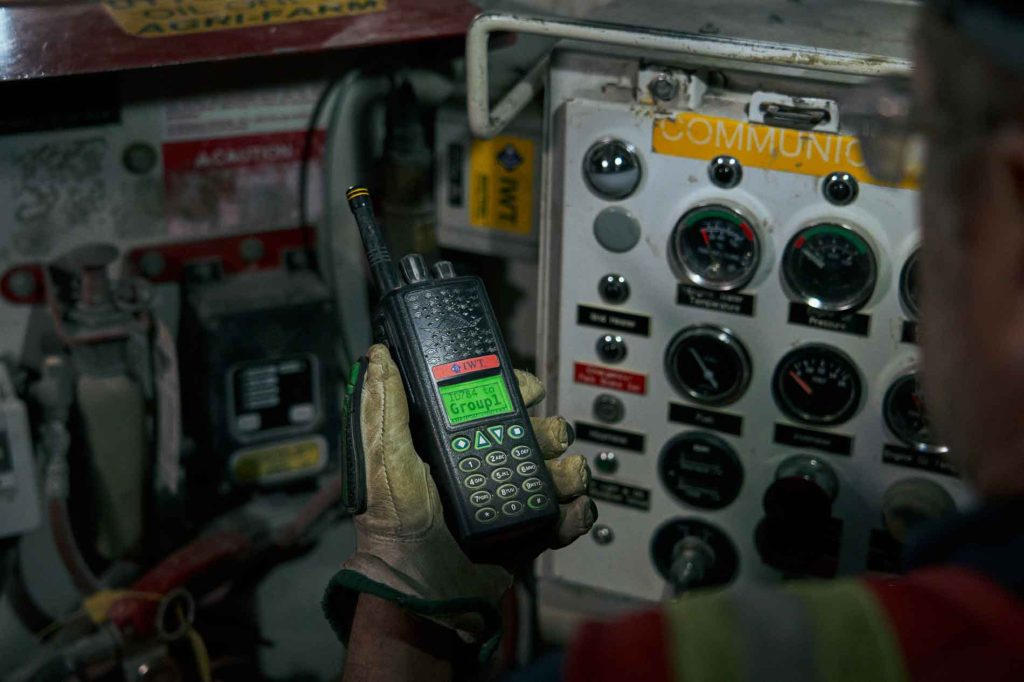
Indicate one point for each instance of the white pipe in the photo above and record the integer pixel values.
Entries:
(486, 122)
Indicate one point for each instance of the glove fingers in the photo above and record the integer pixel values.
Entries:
(530, 388)
(571, 476)
(399, 489)
(554, 435)
(577, 517)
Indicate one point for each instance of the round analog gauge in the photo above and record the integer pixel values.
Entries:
(716, 247)
(817, 384)
(904, 413)
(909, 292)
(701, 470)
(612, 169)
(708, 364)
(830, 267)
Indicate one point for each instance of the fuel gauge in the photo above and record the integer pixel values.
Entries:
(904, 413)
(709, 364)
(716, 247)
(830, 267)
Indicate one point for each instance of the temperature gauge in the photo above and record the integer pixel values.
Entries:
(904, 413)
(830, 267)
(716, 247)
(708, 364)
(817, 384)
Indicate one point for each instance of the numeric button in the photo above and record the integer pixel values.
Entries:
(496, 458)
(508, 490)
(512, 507)
(532, 485)
(520, 451)
(475, 480)
(501, 475)
(480, 497)
(527, 468)
(469, 464)
(486, 514)
(537, 501)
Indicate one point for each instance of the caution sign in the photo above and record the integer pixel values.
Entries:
(760, 146)
(161, 18)
(501, 184)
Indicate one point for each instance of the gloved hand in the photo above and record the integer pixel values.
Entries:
(404, 551)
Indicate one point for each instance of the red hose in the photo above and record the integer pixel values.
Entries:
(197, 557)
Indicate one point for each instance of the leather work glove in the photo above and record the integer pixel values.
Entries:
(404, 550)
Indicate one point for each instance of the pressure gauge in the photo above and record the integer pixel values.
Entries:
(708, 364)
(904, 414)
(830, 267)
(716, 247)
(817, 384)
(909, 283)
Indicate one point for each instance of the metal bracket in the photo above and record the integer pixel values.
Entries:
(486, 121)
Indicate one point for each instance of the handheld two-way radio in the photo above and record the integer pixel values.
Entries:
(466, 413)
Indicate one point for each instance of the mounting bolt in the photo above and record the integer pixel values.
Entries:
(663, 87)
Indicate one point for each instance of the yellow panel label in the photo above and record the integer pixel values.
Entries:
(501, 184)
(253, 466)
(159, 18)
(759, 146)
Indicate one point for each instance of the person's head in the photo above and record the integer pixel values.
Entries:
(969, 88)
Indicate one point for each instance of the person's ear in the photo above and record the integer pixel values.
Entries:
(995, 244)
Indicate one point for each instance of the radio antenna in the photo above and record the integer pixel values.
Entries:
(383, 270)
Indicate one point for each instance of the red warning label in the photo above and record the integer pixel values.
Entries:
(467, 366)
(616, 380)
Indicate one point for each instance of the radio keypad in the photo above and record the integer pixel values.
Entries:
(485, 458)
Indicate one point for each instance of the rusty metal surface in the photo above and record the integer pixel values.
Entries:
(59, 38)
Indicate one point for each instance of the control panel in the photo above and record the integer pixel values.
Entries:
(729, 313)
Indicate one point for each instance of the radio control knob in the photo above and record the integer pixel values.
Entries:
(443, 269)
(414, 268)
(909, 503)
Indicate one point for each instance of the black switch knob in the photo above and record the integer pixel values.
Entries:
(613, 288)
(611, 348)
(794, 536)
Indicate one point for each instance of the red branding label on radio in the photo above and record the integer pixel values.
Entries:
(613, 379)
(467, 366)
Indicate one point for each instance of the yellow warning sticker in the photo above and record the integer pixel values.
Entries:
(501, 184)
(160, 18)
(259, 464)
(760, 146)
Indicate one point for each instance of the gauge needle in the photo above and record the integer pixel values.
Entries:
(708, 374)
(814, 258)
(803, 384)
(704, 233)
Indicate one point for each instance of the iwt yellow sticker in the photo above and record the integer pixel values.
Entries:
(159, 18)
(501, 184)
(695, 136)
(282, 460)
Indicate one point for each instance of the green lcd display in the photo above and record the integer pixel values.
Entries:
(471, 400)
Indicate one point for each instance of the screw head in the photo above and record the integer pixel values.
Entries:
(663, 87)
